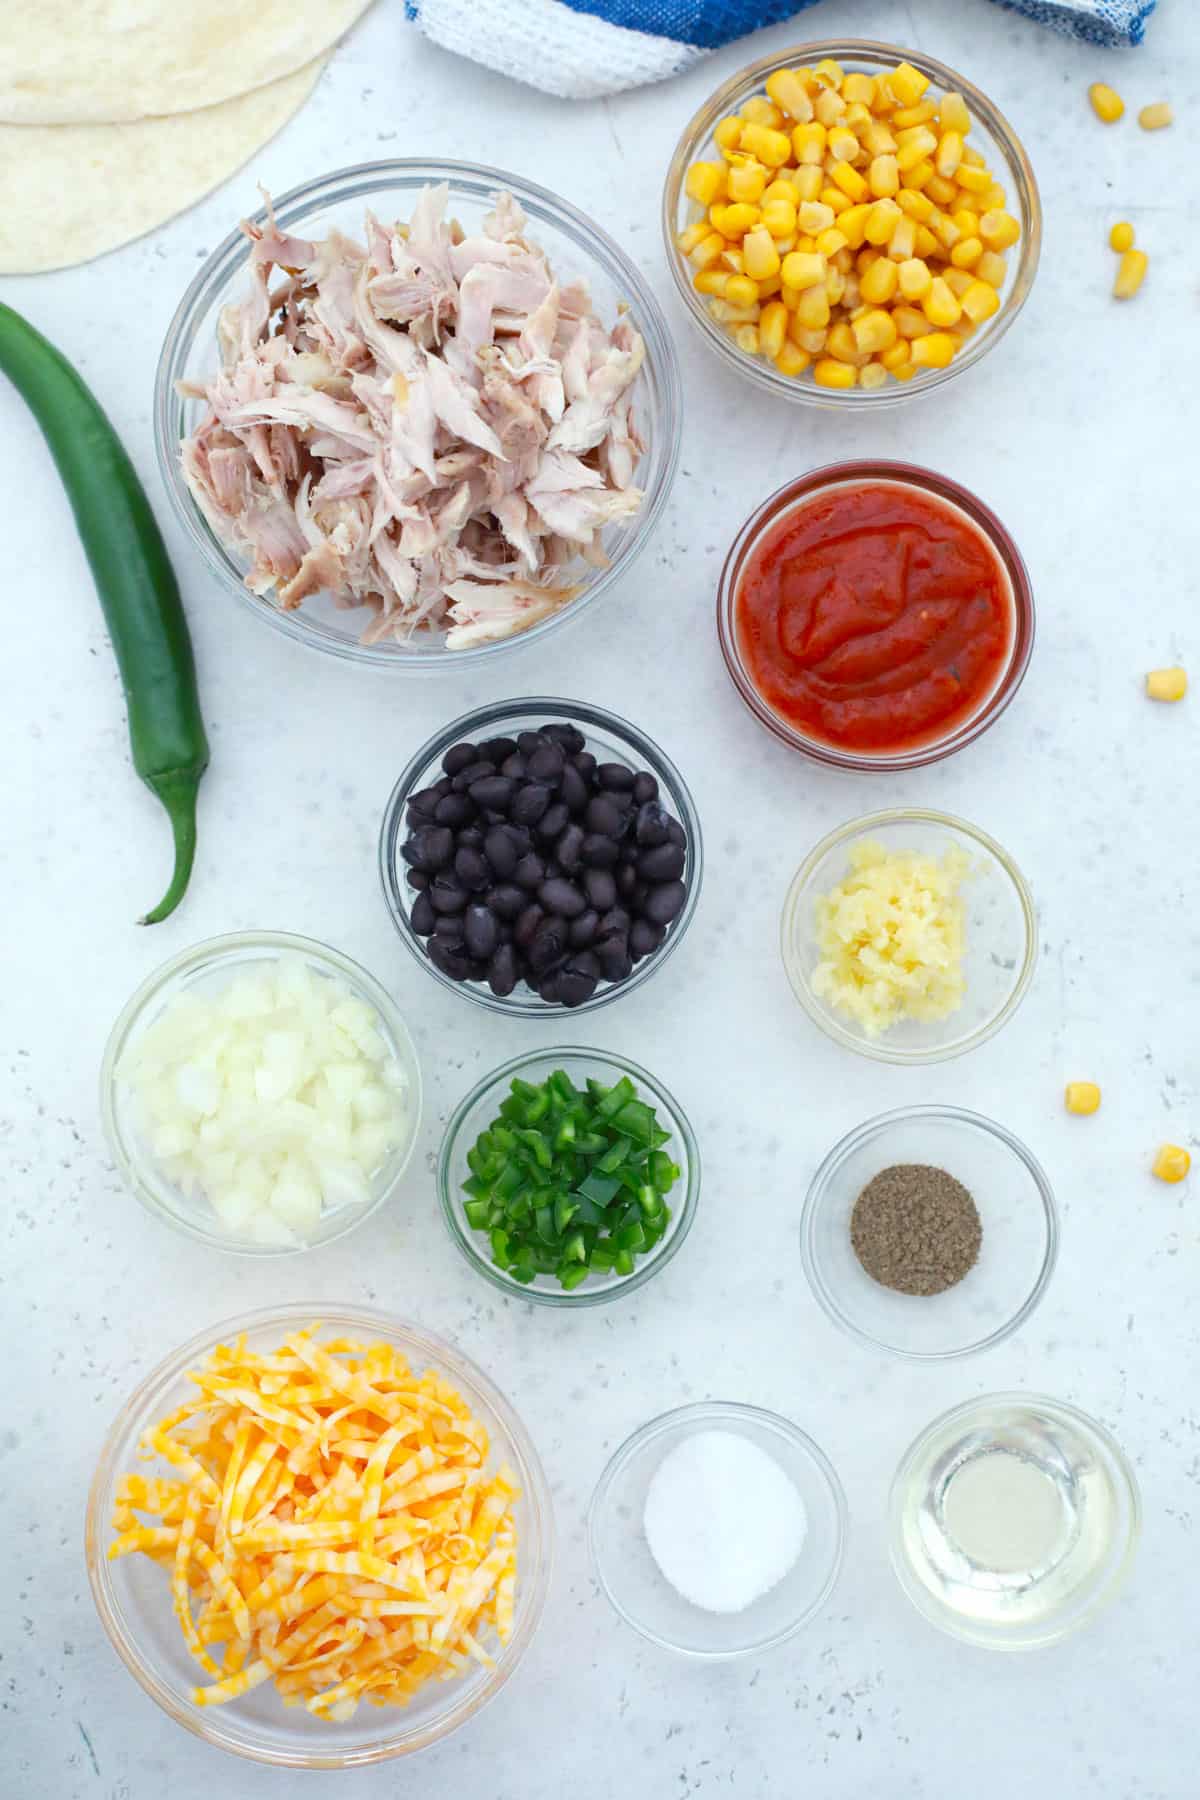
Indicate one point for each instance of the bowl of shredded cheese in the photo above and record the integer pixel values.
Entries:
(319, 1544)
(909, 936)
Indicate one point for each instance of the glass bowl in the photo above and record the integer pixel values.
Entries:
(1001, 934)
(209, 967)
(632, 1579)
(606, 733)
(576, 246)
(1016, 1257)
(990, 133)
(133, 1598)
(864, 473)
(480, 1108)
(1090, 1528)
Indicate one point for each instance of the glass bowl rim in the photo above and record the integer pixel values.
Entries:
(1090, 1427)
(359, 180)
(867, 50)
(684, 1213)
(875, 821)
(441, 1354)
(818, 1189)
(493, 714)
(765, 1419)
(864, 471)
(221, 951)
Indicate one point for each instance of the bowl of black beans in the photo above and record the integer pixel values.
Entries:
(539, 855)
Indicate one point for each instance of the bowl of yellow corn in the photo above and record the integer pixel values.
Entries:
(850, 223)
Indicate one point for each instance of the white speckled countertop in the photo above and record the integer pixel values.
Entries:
(1081, 434)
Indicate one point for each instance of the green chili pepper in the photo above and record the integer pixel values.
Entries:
(134, 579)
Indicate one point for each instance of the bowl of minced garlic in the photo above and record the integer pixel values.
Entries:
(319, 1544)
(909, 936)
(849, 222)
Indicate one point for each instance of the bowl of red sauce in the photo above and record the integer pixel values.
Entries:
(875, 615)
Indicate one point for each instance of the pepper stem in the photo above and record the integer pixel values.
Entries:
(177, 792)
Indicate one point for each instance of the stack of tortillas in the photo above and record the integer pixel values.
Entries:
(117, 114)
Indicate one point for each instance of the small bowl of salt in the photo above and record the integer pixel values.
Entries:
(718, 1530)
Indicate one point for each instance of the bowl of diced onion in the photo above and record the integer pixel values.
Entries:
(880, 140)
(261, 1092)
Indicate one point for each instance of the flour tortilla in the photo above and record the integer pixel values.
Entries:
(71, 192)
(75, 62)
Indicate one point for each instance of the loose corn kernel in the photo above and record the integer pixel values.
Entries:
(993, 199)
(812, 309)
(942, 192)
(954, 114)
(949, 153)
(979, 302)
(758, 110)
(853, 223)
(842, 144)
(1172, 1163)
(792, 360)
(910, 323)
(829, 73)
(746, 181)
(746, 338)
(835, 200)
(779, 217)
(918, 206)
(909, 117)
(835, 287)
(883, 100)
(691, 235)
(972, 181)
(875, 330)
(728, 133)
(907, 84)
(915, 147)
(736, 220)
(897, 356)
(999, 230)
(840, 344)
(903, 240)
(991, 268)
(830, 374)
(761, 256)
(712, 281)
(705, 181)
(1166, 684)
(858, 89)
(726, 314)
(916, 180)
(1131, 272)
(967, 221)
(802, 269)
(1082, 1097)
(966, 253)
(814, 216)
(882, 220)
(913, 278)
(790, 94)
(944, 230)
(883, 177)
(781, 187)
(1121, 236)
(851, 182)
(829, 106)
(772, 329)
(935, 351)
(957, 280)
(707, 250)
(741, 291)
(940, 305)
(877, 139)
(879, 283)
(808, 142)
(873, 376)
(808, 181)
(830, 242)
(812, 341)
(1153, 118)
(926, 244)
(772, 148)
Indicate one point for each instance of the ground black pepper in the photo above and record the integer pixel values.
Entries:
(916, 1229)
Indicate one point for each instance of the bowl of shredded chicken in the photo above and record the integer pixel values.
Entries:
(415, 409)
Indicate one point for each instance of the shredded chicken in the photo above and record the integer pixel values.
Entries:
(428, 426)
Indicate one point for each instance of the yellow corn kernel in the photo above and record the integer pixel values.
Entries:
(781, 186)
(944, 230)
(878, 284)
(882, 220)
(949, 153)
(1082, 1097)
(727, 134)
(760, 255)
(979, 302)
(858, 89)
(883, 177)
(875, 329)
(705, 180)
(936, 351)
(842, 144)
(758, 110)
(840, 344)
(779, 217)
(687, 239)
(954, 114)
(835, 286)
(883, 100)
(807, 181)
(966, 253)
(731, 259)
(808, 143)
(746, 181)
(940, 305)
(999, 230)
(1131, 272)
(1172, 1163)
(914, 148)
(858, 119)
(910, 117)
(707, 250)
(1121, 236)
(972, 181)
(991, 268)
(811, 341)
(873, 376)
(829, 106)
(918, 206)
(741, 291)
(926, 244)
(967, 221)
(746, 339)
(1153, 118)
(852, 184)
(910, 323)
(792, 360)
(896, 357)
(829, 73)
(1166, 684)
(736, 220)
(812, 309)
(801, 269)
(913, 278)
(830, 242)
(712, 281)
(907, 84)
(877, 140)
(942, 192)
(903, 240)
(828, 373)
(773, 148)
(1107, 104)
(957, 280)
(726, 314)
(853, 223)
(804, 243)
(790, 94)
(814, 216)
(993, 199)
(917, 180)
(772, 328)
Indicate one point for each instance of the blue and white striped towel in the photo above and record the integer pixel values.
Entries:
(584, 48)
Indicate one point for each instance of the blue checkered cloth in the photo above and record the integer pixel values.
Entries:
(584, 48)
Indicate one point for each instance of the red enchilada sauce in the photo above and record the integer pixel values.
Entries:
(874, 617)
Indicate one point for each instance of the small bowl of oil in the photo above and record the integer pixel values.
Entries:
(1013, 1520)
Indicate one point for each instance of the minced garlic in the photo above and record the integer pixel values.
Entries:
(890, 937)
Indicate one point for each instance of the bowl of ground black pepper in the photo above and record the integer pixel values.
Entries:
(930, 1232)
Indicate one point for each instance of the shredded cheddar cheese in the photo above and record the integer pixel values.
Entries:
(328, 1524)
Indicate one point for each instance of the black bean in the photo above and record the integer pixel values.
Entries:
(569, 848)
(496, 749)
(603, 815)
(615, 778)
(480, 931)
(573, 789)
(422, 804)
(446, 895)
(507, 900)
(449, 927)
(585, 762)
(561, 896)
(449, 958)
(577, 982)
(676, 833)
(470, 837)
(637, 900)
(663, 863)
(644, 787)
(422, 918)
(546, 764)
(651, 825)
(529, 741)
(526, 926)
(455, 810)
(500, 851)
(616, 921)
(471, 869)
(664, 902)
(416, 879)
(530, 871)
(549, 947)
(552, 821)
(626, 880)
(459, 756)
(514, 766)
(583, 930)
(493, 792)
(444, 785)
(569, 736)
(529, 803)
(598, 852)
(549, 989)
(475, 771)
(600, 888)
(430, 848)
(502, 974)
(644, 938)
(477, 969)
(612, 953)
